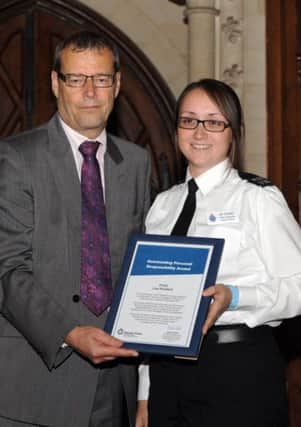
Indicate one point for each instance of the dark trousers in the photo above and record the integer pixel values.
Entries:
(237, 384)
(109, 407)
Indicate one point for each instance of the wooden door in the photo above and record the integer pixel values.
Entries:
(29, 31)
(13, 114)
(283, 23)
(284, 98)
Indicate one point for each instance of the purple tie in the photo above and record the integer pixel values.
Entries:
(96, 286)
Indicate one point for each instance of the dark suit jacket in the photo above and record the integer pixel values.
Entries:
(40, 202)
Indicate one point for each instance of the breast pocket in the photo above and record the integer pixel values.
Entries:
(232, 246)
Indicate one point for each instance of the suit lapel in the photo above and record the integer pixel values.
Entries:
(67, 180)
(64, 168)
(66, 176)
(114, 174)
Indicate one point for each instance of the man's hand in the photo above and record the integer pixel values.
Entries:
(96, 345)
(142, 414)
(221, 300)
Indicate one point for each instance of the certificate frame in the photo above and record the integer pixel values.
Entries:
(146, 257)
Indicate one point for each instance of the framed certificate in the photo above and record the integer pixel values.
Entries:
(158, 307)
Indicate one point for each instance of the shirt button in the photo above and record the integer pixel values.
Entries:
(75, 298)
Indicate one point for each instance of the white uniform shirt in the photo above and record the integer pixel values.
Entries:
(262, 252)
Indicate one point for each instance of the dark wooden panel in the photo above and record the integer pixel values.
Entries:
(49, 29)
(12, 88)
(283, 98)
(298, 71)
(284, 142)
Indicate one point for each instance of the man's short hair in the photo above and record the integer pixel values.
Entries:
(84, 40)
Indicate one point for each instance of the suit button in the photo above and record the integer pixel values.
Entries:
(75, 298)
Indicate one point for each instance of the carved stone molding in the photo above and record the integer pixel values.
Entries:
(233, 76)
(231, 44)
(232, 29)
(201, 9)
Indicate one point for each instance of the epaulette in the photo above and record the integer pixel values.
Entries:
(255, 179)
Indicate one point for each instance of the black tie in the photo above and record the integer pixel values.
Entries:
(185, 217)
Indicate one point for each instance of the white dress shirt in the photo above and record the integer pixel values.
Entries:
(262, 252)
(76, 139)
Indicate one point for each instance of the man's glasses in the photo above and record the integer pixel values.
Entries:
(79, 80)
(209, 125)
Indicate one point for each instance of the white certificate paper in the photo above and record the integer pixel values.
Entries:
(158, 305)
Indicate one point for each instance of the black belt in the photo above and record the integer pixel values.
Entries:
(236, 333)
(226, 334)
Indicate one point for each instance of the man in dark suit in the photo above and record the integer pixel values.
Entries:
(58, 367)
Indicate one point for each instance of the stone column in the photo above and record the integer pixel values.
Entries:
(200, 17)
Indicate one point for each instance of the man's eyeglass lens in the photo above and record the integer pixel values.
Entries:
(79, 80)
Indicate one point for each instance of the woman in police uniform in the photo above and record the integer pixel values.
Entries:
(238, 379)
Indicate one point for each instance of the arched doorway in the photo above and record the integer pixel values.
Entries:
(29, 31)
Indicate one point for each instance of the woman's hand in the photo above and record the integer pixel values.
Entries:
(142, 414)
(222, 297)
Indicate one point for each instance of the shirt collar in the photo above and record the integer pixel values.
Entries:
(76, 139)
(212, 177)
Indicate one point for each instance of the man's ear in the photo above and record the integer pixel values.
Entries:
(54, 83)
(117, 84)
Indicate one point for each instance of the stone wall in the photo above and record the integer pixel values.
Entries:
(157, 27)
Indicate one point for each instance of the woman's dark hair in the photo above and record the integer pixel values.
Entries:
(229, 105)
(83, 40)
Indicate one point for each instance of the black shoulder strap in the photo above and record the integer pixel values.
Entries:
(255, 179)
